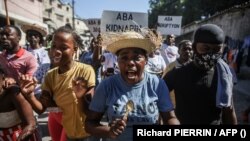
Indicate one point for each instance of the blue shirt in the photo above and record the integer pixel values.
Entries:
(150, 96)
(86, 58)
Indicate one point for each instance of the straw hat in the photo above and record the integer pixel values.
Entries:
(35, 27)
(117, 41)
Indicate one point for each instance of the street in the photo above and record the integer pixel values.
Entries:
(241, 98)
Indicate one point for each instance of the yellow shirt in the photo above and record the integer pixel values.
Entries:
(60, 86)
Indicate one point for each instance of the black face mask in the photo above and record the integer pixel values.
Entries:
(206, 61)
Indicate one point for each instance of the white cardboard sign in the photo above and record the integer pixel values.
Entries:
(169, 25)
(121, 21)
(93, 25)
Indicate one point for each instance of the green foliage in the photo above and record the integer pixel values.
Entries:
(190, 10)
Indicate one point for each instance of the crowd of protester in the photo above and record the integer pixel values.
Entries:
(135, 79)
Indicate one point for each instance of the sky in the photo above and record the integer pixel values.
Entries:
(93, 8)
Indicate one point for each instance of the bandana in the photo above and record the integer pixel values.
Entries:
(206, 61)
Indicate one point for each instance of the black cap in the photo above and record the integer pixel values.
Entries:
(209, 33)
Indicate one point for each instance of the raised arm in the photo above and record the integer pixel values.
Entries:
(97, 52)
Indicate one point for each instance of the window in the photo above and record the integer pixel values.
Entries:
(59, 6)
(59, 17)
(50, 2)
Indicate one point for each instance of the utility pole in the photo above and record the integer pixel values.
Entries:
(73, 14)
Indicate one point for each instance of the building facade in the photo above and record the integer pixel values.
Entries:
(50, 14)
(22, 12)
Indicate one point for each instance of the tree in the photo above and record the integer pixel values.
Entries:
(190, 10)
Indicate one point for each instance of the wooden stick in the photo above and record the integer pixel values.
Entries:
(7, 15)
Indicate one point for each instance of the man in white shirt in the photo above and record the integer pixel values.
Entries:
(34, 37)
(168, 50)
(109, 62)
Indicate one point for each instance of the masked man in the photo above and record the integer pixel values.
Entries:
(203, 88)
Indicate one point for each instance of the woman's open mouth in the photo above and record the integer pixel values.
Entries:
(131, 74)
